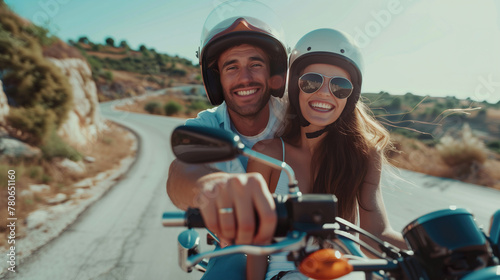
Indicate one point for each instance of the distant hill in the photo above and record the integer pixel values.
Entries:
(119, 71)
(429, 118)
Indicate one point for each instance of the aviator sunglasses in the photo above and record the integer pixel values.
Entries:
(340, 87)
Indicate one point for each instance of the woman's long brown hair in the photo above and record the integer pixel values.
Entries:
(340, 162)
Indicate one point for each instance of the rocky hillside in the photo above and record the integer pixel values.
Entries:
(120, 71)
(44, 96)
(84, 121)
(4, 106)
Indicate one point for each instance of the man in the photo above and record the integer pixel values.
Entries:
(244, 68)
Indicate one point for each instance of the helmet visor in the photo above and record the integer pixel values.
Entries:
(255, 13)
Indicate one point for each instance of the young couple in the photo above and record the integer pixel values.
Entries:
(327, 136)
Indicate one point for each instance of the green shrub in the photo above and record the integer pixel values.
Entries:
(28, 201)
(108, 76)
(4, 169)
(96, 48)
(39, 94)
(199, 105)
(56, 147)
(35, 122)
(46, 179)
(177, 72)
(395, 104)
(153, 108)
(42, 34)
(35, 171)
(30, 79)
(494, 146)
(4, 175)
(172, 108)
(95, 64)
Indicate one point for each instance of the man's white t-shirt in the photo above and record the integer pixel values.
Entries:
(218, 117)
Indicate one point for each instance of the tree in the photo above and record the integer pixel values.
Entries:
(451, 102)
(83, 40)
(110, 42)
(124, 44)
(142, 48)
(395, 104)
(96, 48)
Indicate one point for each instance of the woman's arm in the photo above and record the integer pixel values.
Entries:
(372, 212)
(272, 148)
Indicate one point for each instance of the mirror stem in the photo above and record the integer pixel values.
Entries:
(267, 160)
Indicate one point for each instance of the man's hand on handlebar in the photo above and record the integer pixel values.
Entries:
(229, 204)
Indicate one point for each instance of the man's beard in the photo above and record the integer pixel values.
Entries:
(249, 110)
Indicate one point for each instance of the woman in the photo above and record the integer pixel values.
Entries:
(331, 142)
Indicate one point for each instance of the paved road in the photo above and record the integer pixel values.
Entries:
(121, 237)
(409, 195)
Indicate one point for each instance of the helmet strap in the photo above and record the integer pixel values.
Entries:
(304, 123)
(316, 134)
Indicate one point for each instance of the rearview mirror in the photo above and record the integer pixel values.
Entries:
(199, 144)
(196, 144)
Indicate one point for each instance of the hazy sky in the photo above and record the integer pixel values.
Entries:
(439, 48)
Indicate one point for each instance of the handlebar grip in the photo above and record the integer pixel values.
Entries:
(191, 218)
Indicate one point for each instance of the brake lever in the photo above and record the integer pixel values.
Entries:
(390, 250)
(294, 241)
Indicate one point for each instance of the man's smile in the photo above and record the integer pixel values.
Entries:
(246, 92)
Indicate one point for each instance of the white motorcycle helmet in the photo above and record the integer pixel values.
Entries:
(241, 22)
(327, 46)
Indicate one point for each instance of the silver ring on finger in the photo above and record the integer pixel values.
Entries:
(228, 210)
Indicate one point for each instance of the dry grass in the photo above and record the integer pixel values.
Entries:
(462, 149)
(107, 55)
(134, 79)
(138, 106)
(108, 150)
(493, 114)
(416, 156)
(61, 50)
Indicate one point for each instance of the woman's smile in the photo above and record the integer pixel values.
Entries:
(321, 106)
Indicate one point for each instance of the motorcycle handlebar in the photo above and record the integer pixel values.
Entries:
(310, 210)
(191, 218)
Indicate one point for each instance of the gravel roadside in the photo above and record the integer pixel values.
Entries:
(56, 219)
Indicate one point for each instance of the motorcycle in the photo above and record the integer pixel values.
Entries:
(444, 244)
